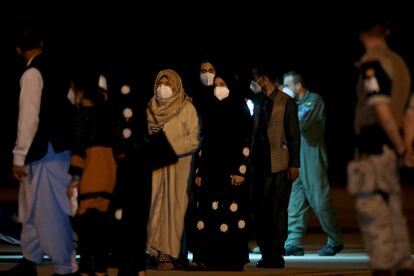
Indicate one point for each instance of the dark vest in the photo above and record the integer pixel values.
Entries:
(55, 112)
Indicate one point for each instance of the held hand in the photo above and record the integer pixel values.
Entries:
(198, 181)
(237, 179)
(70, 190)
(293, 173)
(19, 172)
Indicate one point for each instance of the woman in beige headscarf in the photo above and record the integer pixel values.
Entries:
(171, 109)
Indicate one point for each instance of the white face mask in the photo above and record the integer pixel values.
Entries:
(103, 83)
(164, 92)
(207, 79)
(288, 91)
(73, 98)
(221, 92)
(255, 87)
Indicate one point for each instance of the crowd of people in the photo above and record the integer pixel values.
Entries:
(83, 159)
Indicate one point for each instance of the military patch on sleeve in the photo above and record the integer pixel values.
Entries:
(371, 85)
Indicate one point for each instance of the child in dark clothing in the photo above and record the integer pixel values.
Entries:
(93, 171)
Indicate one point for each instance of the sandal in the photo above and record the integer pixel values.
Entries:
(166, 266)
(165, 261)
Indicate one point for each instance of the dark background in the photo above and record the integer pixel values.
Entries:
(318, 40)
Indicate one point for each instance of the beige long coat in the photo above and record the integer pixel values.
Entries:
(169, 185)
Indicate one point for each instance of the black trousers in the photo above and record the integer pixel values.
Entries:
(92, 229)
(134, 198)
(271, 199)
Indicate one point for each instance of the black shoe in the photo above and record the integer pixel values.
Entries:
(294, 251)
(329, 250)
(151, 261)
(198, 267)
(23, 268)
(182, 263)
(280, 263)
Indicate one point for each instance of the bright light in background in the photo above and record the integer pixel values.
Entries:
(250, 105)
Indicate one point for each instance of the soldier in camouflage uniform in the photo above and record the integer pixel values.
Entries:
(383, 90)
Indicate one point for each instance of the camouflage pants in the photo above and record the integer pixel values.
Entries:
(374, 181)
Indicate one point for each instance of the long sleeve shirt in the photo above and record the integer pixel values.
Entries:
(31, 85)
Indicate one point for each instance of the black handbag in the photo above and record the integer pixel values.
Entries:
(161, 153)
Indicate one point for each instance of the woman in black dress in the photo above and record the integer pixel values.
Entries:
(220, 220)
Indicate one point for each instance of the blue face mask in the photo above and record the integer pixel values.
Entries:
(288, 91)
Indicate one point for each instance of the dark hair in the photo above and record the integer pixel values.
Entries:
(207, 60)
(231, 79)
(212, 56)
(28, 40)
(376, 27)
(86, 79)
(267, 69)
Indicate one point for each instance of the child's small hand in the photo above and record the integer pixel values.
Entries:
(72, 188)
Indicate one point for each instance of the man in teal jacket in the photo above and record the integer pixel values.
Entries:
(311, 189)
